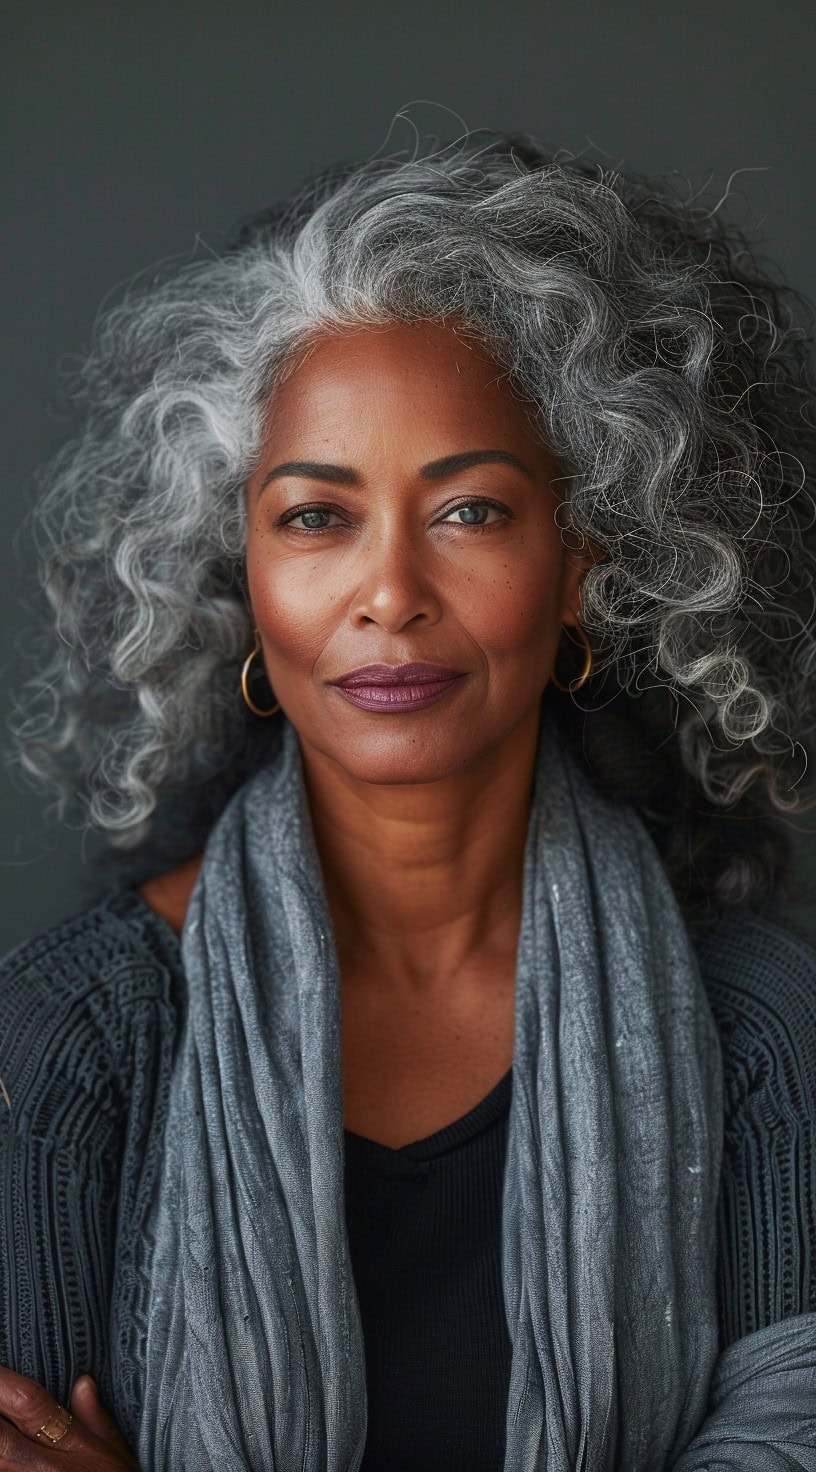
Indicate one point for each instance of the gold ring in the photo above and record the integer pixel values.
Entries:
(54, 1421)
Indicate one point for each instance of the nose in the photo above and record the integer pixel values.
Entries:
(396, 585)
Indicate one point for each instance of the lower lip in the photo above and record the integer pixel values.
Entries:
(392, 699)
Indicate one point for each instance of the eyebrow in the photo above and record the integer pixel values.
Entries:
(435, 470)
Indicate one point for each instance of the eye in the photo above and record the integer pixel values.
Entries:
(476, 513)
(310, 519)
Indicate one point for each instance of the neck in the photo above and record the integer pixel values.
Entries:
(422, 878)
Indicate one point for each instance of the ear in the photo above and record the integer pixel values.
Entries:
(581, 555)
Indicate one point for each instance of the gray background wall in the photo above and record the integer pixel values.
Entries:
(132, 131)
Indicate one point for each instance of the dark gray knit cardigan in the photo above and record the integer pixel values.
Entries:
(90, 1013)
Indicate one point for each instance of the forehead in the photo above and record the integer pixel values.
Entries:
(428, 374)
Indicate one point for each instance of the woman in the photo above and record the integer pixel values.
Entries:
(441, 1091)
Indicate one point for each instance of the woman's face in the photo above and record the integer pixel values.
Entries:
(402, 513)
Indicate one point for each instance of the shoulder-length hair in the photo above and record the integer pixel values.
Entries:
(666, 370)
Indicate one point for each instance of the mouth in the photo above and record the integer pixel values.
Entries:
(392, 688)
(395, 674)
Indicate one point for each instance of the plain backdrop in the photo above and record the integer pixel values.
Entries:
(134, 132)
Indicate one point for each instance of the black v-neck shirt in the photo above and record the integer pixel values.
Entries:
(424, 1227)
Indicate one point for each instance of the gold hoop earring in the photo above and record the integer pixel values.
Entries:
(584, 675)
(256, 709)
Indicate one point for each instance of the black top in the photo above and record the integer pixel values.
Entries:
(424, 1226)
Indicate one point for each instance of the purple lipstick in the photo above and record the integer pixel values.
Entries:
(391, 688)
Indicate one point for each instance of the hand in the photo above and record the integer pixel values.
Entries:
(92, 1443)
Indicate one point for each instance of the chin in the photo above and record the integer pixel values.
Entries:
(403, 758)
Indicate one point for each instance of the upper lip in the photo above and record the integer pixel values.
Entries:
(396, 674)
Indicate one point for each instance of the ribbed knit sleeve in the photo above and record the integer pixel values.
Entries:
(88, 1025)
(761, 981)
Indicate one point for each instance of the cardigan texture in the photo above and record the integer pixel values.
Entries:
(91, 1010)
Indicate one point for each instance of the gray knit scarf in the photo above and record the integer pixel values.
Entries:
(255, 1357)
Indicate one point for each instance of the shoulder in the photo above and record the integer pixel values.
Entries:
(760, 976)
(72, 996)
(745, 947)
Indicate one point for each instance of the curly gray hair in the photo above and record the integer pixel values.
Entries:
(664, 369)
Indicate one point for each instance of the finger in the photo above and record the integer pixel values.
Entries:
(28, 1407)
(20, 1452)
(87, 1405)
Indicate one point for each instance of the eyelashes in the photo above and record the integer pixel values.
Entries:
(482, 505)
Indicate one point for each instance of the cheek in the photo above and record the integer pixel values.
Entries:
(515, 609)
(293, 606)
